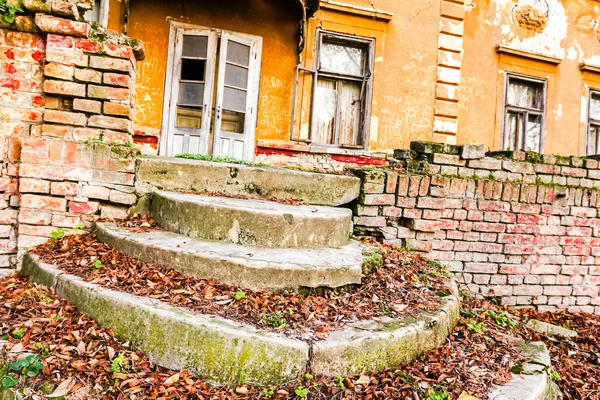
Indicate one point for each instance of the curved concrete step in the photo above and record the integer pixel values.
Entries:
(535, 383)
(251, 222)
(256, 268)
(229, 353)
(180, 175)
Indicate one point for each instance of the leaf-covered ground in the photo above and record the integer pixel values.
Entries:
(407, 284)
(84, 360)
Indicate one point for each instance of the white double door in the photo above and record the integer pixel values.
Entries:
(211, 96)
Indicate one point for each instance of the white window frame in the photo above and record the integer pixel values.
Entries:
(591, 122)
(369, 45)
(506, 107)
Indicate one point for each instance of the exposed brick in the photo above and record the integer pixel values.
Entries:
(112, 212)
(108, 93)
(43, 202)
(83, 207)
(30, 185)
(66, 118)
(66, 57)
(50, 24)
(68, 189)
(59, 71)
(113, 79)
(102, 121)
(64, 88)
(88, 106)
(88, 75)
(110, 64)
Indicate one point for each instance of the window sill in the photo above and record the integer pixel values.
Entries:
(528, 54)
(318, 149)
(379, 15)
(584, 66)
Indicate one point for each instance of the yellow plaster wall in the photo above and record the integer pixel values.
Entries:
(274, 20)
(570, 34)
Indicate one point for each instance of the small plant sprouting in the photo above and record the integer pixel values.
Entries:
(42, 348)
(29, 366)
(117, 364)
(518, 368)
(555, 376)
(437, 394)
(98, 264)
(301, 392)
(9, 11)
(502, 319)
(59, 234)
(340, 382)
(474, 326)
(276, 319)
(239, 295)
(18, 333)
(78, 228)
(269, 392)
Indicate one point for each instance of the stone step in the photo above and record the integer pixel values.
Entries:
(226, 352)
(256, 268)
(191, 176)
(251, 222)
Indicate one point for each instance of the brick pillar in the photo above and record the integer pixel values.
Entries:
(66, 101)
(450, 48)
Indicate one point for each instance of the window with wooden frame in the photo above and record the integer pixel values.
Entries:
(592, 141)
(341, 91)
(524, 113)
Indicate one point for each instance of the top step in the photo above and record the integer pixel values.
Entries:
(191, 176)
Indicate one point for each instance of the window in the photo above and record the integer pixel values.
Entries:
(524, 105)
(336, 95)
(592, 145)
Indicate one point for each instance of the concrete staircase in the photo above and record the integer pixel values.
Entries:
(247, 240)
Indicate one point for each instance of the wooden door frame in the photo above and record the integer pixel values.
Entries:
(250, 123)
(254, 84)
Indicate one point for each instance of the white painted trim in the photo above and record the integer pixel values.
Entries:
(254, 67)
(103, 13)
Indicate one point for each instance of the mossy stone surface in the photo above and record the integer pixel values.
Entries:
(251, 222)
(374, 346)
(244, 266)
(191, 176)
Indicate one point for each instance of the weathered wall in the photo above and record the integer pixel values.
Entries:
(276, 21)
(569, 33)
(518, 226)
(405, 73)
(65, 143)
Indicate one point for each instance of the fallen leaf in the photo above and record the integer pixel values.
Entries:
(63, 388)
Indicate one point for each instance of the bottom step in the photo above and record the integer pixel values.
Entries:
(228, 352)
(255, 268)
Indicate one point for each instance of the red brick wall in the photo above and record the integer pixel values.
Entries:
(65, 129)
(528, 232)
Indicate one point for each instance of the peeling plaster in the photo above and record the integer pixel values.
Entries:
(547, 42)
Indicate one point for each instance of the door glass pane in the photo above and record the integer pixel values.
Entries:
(342, 59)
(533, 138)
(524, 93)
(591, 147)
(324, 111)
(236, 76)
(233, 121)
(595, 106)
(189, 117)
(194, 46)
(512, 130)
(238, 53)
(191, 94)
(234, 99)
(193, 70)
(350, 106)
